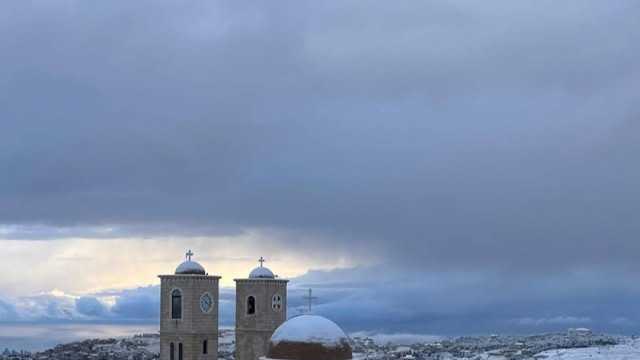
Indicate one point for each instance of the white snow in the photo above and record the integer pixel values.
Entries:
(629, 350)
(190, 267)
(261, 272)
(402, 350)
(310, 328)
(398, 338)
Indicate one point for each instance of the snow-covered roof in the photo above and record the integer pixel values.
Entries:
(310, 329)
(261, 272)
(402, 349)
(190, 267)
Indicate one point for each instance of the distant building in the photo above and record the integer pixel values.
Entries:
(402, 350)
(579, 332)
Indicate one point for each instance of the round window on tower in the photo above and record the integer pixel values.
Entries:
(206, 303)
(276, 302)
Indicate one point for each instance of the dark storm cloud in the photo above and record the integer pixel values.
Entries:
(488, 132)
(7, 311)
(382, 300)
(143, 304)
(90, 306)
(452, 136)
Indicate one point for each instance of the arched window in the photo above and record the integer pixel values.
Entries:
(204, 347)
(172, 351)
(276, 302)
(180, 351)
(176, 304)
(251, 305)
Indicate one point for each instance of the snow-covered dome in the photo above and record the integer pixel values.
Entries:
(309, 337)
(190, 267)
(261, 272)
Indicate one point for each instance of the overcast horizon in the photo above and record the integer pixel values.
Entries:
(429, 167)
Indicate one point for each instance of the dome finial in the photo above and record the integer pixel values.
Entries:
(189, 266)
(261, 272)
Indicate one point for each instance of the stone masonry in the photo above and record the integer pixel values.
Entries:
(253, 331)
(195, 326)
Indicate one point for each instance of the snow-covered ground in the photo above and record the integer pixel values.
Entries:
(398, 338)
(628, 350)
(555, 346)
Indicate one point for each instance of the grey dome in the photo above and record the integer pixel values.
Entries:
(261, 272)
(190, 267)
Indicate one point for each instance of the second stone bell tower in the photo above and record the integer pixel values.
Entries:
(261, 306)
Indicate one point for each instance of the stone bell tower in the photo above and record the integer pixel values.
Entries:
(189, 313)
(261, 306)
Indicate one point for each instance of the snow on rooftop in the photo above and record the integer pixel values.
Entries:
(310, 329)
(190, 267)
(261, 272)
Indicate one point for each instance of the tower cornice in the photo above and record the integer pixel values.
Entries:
(262, 280)
(190, 276)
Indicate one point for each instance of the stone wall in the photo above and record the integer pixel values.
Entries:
(195, 326)
(253, 331)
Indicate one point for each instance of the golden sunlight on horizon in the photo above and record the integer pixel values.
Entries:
(83, 266)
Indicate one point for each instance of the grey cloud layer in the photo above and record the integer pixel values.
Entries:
(382, 300)
(501, 129)
(437, 135)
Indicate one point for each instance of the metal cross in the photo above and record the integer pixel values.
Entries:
(261, 261)
(189, 254)
(309, 298)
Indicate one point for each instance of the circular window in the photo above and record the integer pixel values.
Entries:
(206, 302)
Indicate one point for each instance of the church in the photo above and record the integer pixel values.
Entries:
(189, 319)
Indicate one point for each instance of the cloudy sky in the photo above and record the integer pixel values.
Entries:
(438, 167)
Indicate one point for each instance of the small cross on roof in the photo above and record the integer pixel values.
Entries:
(189, 254)
(261, 261)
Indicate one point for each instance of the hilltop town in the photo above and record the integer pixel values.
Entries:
(496, 347)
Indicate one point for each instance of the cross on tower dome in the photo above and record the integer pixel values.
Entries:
(189, 266)
(261, 272)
